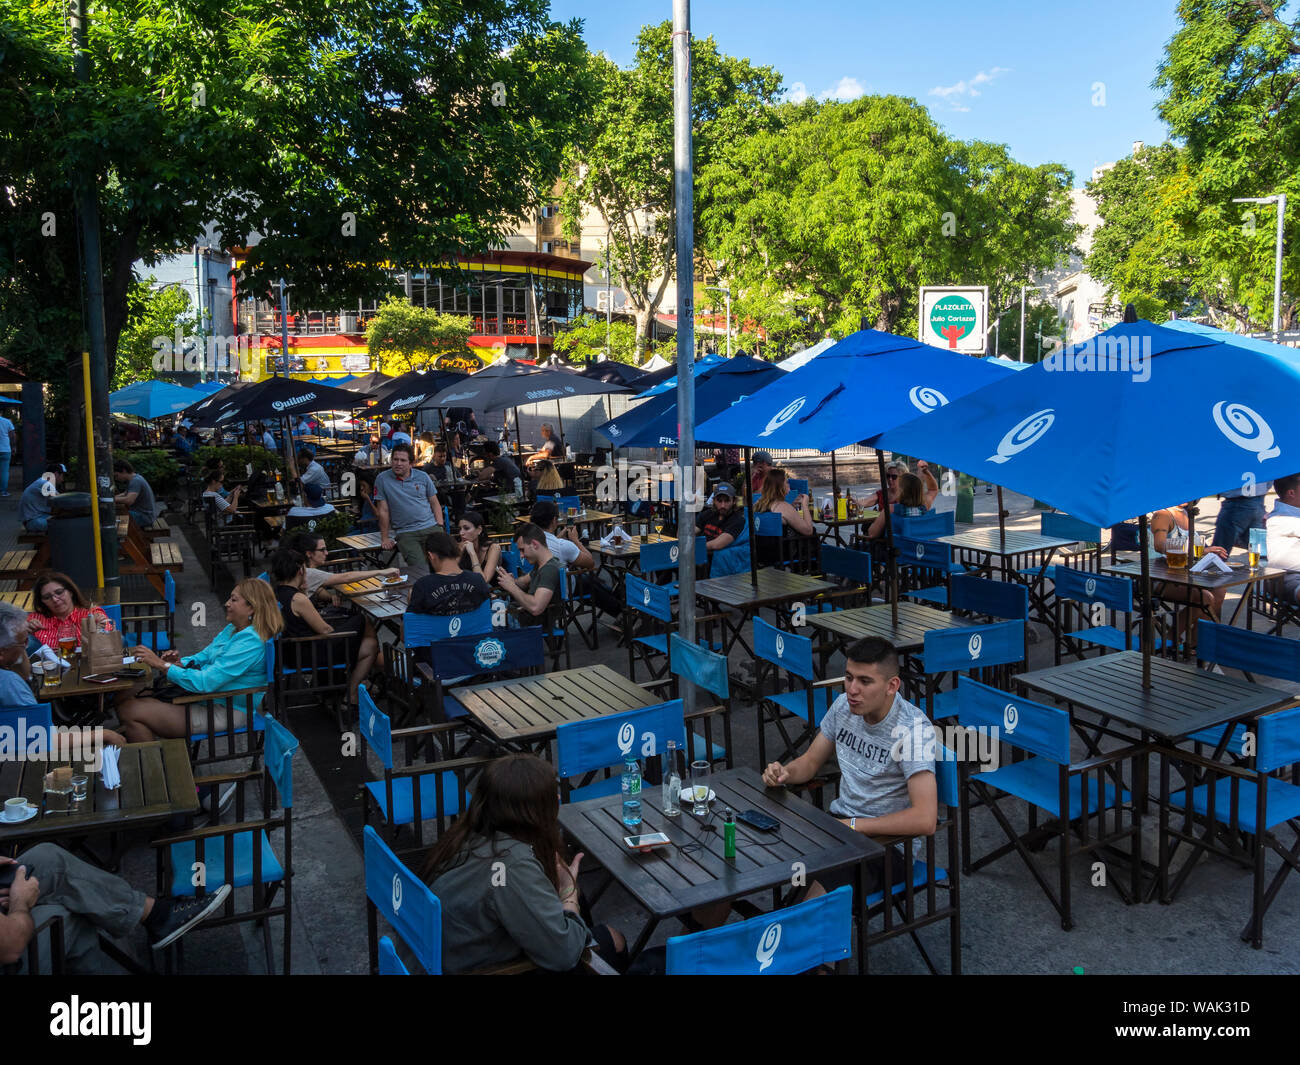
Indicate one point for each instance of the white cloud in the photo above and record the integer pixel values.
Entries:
(967, 88)
(797, 93)
(845, 89)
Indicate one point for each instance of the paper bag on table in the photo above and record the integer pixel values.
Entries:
(101, 651)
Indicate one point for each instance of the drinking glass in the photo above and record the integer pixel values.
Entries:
(700, 788)
(51, 674)
(67, 644)
(1258, 547)
(80, 787)
(1198, 548)
(1176, 549)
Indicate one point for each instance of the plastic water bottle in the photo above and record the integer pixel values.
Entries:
(672, 781)
(631, 793)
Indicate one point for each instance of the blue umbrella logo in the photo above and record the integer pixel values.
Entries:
(1246, 428)
(925, 399)
(1023, 434)
(782, 416)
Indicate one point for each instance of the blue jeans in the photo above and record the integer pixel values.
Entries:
(1237, 517)
(5, 456)
(37, 525)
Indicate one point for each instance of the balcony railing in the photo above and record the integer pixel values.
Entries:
(317, 323)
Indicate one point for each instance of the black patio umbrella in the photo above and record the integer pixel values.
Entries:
(412, 391)
(619, 373)
(278, 397)
(371, 382)
(217, 400)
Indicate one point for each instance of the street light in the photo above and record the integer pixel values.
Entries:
(1280, 200)
(726, 291)
(1023, 290)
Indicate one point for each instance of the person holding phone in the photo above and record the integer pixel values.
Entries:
(885, 750)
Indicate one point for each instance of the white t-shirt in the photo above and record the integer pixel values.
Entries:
(6, 427)
(268, 441)
(564, 550)
(1283, 527)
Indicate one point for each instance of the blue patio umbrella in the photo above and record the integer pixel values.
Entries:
(151, 399)
(866, 383)
(207, 387)
(863, 385)
(665, 380)
(654, 423)
(1140, 417)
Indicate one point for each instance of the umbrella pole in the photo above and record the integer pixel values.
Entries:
(835, 501)
(892, 577)
(1146, 602)
(749, 517)
(559, 416)
(519, 443)
(1002, 522)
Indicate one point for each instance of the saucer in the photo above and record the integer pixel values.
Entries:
(32, 811)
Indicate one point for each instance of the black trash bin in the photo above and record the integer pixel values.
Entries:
(71, 533)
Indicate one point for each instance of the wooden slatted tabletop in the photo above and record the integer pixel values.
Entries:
(528, 709)
(631, 549)
(774, 586)
(71, 684)
(15, 563)
(22, 600)
(989, 542)
(361, 541)
(670, 881)
(1161, 571)
(371, 585)
(914, 621)
(157, 784)
(1181, 700)
(166, 554)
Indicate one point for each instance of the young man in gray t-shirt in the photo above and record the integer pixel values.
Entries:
(885, 749)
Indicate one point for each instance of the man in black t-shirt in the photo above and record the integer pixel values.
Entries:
(501, 468)
(722, 523)
(446, 589)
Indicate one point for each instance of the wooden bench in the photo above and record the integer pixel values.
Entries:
(157, 530)
(166, 555)
(17, 563)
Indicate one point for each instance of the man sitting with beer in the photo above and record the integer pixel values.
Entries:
(1284, 535)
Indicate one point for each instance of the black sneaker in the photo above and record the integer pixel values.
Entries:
(182, 915)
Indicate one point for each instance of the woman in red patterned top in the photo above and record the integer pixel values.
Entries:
(60, 608)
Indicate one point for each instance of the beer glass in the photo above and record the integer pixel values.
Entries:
(1258, 547)
(1176, 549)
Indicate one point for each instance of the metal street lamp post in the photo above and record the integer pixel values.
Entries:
(1280, 200)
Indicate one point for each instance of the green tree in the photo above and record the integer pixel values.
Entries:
(151, 313)
(585, 340)
(621, 164)
(1172, 238)
(404, 337)
(341, 136)
(847, 209)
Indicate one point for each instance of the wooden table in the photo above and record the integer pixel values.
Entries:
(626, 559)
(843, 627)
(523, 713)
(157, 784)
(668, 882)
(1160, 570)
(775, 588)
(71, 685)
(828, 529)
(383, 604)
(370, 545)
(986, 550)
(1181, 700)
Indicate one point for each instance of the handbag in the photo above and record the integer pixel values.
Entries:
(101, 651)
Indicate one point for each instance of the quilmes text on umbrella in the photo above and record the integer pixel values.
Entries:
(181, 354)
(638, 483)
(1104, 354)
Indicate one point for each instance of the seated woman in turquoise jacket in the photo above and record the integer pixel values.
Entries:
(235, 659)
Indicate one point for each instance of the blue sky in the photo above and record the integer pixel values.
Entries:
(1016, 72)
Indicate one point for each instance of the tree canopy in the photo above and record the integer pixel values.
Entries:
(404, 337)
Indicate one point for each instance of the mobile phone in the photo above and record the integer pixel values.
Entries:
(758, 820)
(647, 841)
(9, 873)
(101, 678)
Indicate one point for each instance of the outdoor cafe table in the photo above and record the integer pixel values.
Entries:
(383, 604)
(72, 685)
(1181, 700)
(369, 545)
(1242, 576)
(523, 713)
(988, 550)
(776, 588)
(625, 559)
(843, 627)
(827, 530)
(691, 872)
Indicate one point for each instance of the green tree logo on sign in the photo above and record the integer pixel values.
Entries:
(953, 317)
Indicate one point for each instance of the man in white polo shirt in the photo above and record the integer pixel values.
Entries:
(1283, 528)
(407, 509)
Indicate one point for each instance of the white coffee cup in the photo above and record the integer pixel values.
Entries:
(15, 809)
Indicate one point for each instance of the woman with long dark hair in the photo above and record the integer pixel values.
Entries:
(477, 553)
(500, 875)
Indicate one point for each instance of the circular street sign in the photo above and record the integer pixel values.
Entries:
(952, 318)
